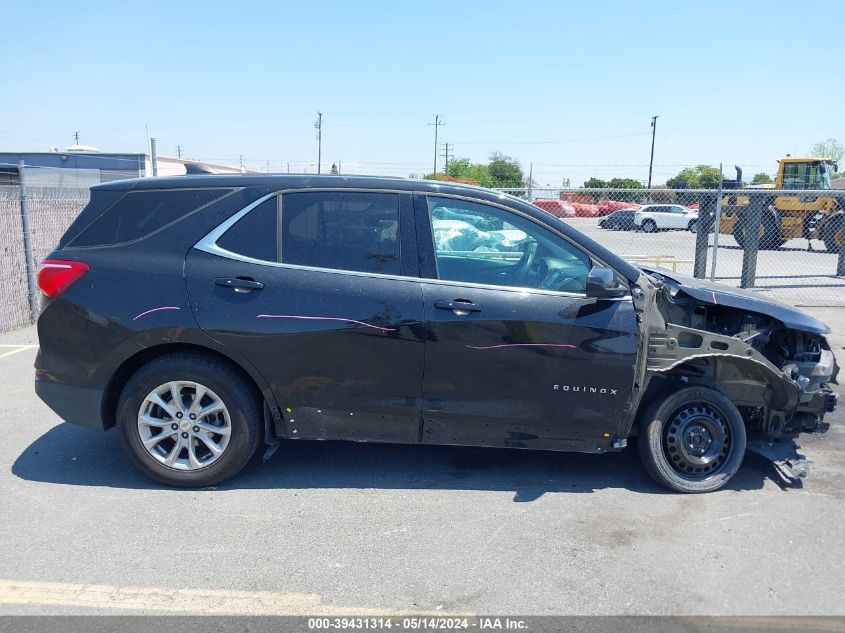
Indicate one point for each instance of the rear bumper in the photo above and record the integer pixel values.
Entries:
(78, 405)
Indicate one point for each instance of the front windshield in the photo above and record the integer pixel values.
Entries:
(808, 175)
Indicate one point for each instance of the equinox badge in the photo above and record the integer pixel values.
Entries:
(585, 389)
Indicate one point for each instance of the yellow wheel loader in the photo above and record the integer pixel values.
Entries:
(811, 215)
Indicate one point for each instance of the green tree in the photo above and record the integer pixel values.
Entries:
(459, 167)
(505, 171)
(698, 177)
(465, 168)
(831, 148)
(595, 183)
(761, 179)
(624, 183)
(334, 168)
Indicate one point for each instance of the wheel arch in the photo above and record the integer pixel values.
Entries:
(133, 363)
(745, 381)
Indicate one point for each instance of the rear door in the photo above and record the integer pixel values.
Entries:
(517, 354)
(660, 213)
(317, 289)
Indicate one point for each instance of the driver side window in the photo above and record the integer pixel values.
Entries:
(478, 243)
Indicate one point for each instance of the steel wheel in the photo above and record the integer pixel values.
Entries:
(697, 440)
(692, 440)
(184, 425)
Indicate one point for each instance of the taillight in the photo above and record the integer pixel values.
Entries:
(56, 275)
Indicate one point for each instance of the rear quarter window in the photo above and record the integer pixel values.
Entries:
(141, 213)
(256, 234)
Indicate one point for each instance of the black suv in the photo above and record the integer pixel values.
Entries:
(205, 315)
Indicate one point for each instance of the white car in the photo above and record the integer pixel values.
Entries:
(661, 217)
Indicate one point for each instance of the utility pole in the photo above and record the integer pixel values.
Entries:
(446, 155)
(530, 191)
(437, 123)
(339, 168)
(76, 137)
(153, 155)
(651, 161)
(319, 125)
(241, 157)
(179, 151)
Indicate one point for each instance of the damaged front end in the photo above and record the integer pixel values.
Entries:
(771, 360)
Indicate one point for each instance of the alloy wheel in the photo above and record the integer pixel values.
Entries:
(184, 425)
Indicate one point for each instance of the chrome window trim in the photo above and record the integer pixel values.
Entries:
(208, 244)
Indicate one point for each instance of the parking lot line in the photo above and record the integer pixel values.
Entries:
(19, 348)
(211, 601)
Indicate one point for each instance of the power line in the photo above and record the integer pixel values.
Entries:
(573, 140)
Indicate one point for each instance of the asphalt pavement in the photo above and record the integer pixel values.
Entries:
(334, 528)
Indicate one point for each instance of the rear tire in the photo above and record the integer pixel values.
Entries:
(216, 443)
(649, 226)
(692, 441)
(692, 227)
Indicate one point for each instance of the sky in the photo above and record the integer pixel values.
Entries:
(569, 87)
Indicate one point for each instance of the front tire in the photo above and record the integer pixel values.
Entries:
(692, 227)
(649, 226)
(771, 237)
(834, 233)
(693, 440)
(189, 420)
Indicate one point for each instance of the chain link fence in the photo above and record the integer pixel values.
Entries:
(32, 219)
(795, 255)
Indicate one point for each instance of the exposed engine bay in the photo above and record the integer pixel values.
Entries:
(770, 359)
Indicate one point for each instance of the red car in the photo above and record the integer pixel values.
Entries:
(558, 208)
(606, 207)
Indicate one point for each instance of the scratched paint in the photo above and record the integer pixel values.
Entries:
(146, 312)
(522, 345)
(321, 318)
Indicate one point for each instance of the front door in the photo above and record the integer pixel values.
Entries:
(311, 288)
(517, 355)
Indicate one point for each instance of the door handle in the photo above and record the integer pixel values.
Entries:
(239, 284)
(461, 307)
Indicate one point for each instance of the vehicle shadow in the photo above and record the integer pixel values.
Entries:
(72, 455)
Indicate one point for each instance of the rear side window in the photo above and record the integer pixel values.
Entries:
(255, 235)
(342, 230)
(140, 213)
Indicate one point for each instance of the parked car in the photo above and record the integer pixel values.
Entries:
(205, 315)
(606, 207)
(622, 220)
(584, 210)
(663, 217)
(558, 208)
